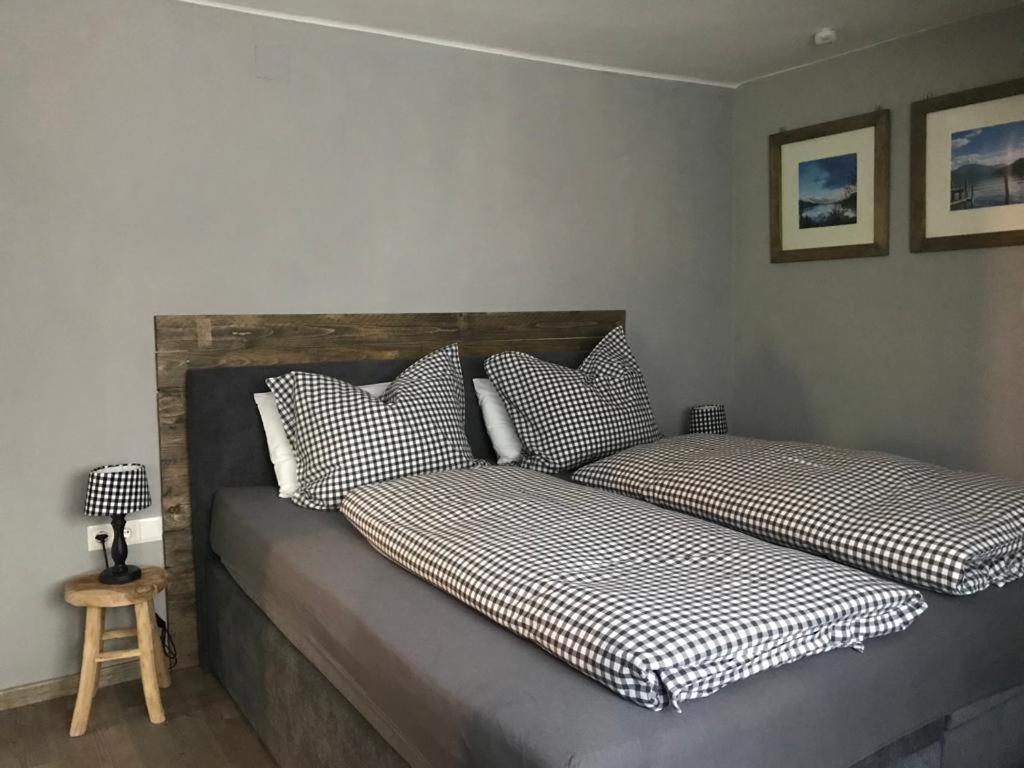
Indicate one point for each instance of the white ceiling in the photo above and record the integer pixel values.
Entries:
(719, 41)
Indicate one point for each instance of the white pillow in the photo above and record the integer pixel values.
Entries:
(504, 438)
(282, 456)
(377, 390)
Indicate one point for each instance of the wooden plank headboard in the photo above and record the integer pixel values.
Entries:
(213, 341)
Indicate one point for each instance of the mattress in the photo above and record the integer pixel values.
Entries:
(447, 687)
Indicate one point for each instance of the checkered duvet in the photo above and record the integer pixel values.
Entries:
(657, 606)
(949, 531)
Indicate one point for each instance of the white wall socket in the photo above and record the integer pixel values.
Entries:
(135, 532)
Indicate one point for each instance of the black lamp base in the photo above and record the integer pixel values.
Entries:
(120, 574)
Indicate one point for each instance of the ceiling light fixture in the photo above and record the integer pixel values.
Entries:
(825, 36)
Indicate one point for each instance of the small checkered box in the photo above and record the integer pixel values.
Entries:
(707, 420)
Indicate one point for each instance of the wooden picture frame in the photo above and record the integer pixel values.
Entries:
(872, 234)
(920, 239)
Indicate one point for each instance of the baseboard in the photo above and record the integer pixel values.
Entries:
(22, 695)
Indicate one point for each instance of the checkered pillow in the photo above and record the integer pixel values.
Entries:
(567, 418)
(345, 437)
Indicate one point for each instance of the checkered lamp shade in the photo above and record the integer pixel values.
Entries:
(117, 489)
(707, 420)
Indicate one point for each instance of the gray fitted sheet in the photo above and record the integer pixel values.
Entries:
(447, 687)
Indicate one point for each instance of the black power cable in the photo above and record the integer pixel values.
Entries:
(102, 539)
(167, 642)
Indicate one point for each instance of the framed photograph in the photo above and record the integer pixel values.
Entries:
(829, 191)
(967, 169)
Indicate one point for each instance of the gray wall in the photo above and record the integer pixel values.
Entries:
(145, 169)
(922, 354)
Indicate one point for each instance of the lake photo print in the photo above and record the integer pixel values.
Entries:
(828, 191)
(987, 167)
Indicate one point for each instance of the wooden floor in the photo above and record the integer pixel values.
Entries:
(204, 729)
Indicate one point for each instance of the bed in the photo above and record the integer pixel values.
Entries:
(481, 696)
(339, 657)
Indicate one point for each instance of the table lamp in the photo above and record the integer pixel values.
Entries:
(117, 490)
(707, 419)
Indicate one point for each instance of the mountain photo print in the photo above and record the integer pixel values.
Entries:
(828, 191)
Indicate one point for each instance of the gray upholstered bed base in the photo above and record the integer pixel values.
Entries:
(306, 723)
(302, 719)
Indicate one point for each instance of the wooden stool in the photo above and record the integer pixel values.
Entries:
(87, 592)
